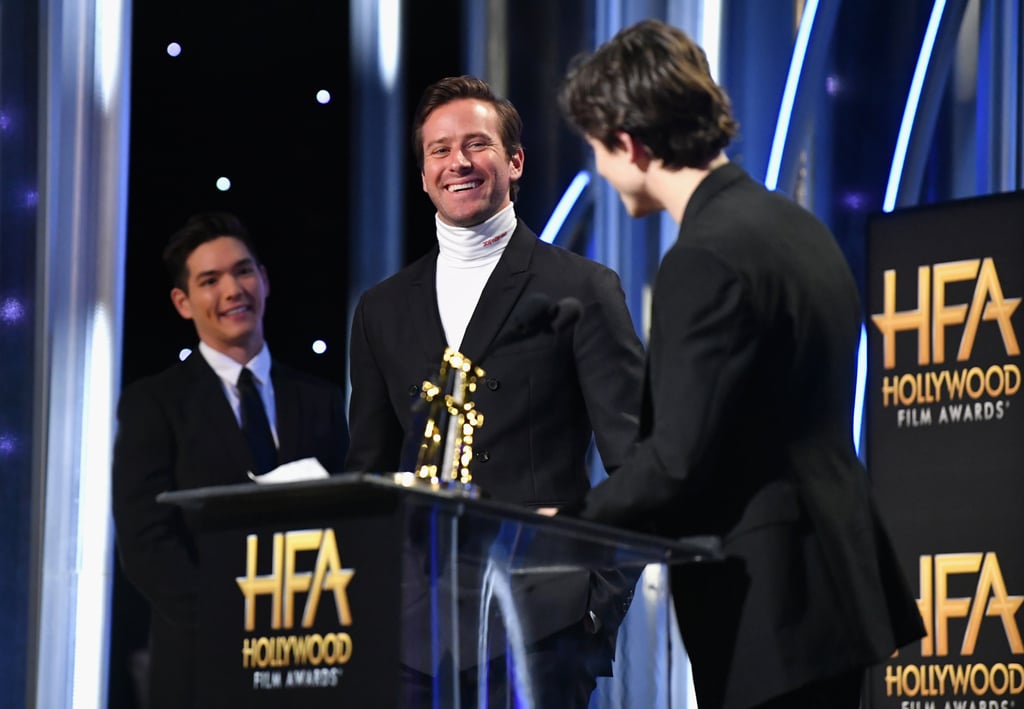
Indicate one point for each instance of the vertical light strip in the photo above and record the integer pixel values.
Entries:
(109, 50)
(924, 58)
(561, 211)
(862, 376)
(796, 67)
(389, 37)
(711, 34)
(92, 558)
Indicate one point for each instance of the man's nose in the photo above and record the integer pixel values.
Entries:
(460, 159)
(232, 286)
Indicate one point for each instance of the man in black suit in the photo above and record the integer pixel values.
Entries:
(544, 395)
(183, 428)
(747, 417)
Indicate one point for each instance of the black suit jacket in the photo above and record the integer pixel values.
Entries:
(542, 397)
(176, 431)
(746, 432)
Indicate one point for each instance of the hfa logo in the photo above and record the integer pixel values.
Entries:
(933, 315)
(990, 600)
(991, 676)
(283, 582)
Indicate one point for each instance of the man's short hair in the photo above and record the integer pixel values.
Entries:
(454, 88)
(653, 82)
(199, 229)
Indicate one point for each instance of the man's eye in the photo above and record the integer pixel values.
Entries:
(440, 152)
(207, 281)
(245, 270)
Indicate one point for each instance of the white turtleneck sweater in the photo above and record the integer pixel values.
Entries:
(466, 258)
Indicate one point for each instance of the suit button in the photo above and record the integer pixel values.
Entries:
(493, 384)
(413, 390)
(482, 456)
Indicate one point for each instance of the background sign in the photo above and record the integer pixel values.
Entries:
(945, 444)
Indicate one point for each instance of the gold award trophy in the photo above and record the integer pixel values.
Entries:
(446, 449)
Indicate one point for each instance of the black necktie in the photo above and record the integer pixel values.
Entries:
(255, 425)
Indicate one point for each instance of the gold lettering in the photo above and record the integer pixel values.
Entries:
(990, 293)
(933, 315)
(948, 315)
(991, 599)
(946, 607)
(336, 580)
(890, 322)
(253, 585)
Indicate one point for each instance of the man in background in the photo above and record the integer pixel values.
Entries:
(746, 427)
(545, 395)
(227, 410)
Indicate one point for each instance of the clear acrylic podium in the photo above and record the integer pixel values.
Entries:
(359, 591)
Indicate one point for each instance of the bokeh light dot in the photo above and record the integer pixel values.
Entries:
(319, 346)
(184, 353)
(223, 184)
(323, 96)
(173, 49)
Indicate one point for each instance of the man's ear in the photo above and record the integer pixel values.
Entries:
(639, 155)
(516, 164)
(181, 303)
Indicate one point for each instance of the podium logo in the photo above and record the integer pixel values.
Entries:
(933, 315)
(284, 580)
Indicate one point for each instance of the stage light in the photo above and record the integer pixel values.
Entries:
(572, 195)
(796, 67)
(924, 58)
(323, 96)
(223, 184)
(8, 444)
(319, 346)
(183, 354)
(173, 49)
(11, 310)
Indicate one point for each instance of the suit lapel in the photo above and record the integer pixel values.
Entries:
(422, 305)
(211, 404)
(286, 401)
(501, 292)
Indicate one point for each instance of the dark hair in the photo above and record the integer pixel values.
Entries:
(653, 82)
(454, 88)
(199, 229)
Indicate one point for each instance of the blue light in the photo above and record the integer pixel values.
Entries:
(796, 67)
(924, 58)
(561, 211)
(862, 375)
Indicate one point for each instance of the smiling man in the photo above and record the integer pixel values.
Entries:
(194, 425)
(544, 397)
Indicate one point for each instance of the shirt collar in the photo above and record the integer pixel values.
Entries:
(228, 369)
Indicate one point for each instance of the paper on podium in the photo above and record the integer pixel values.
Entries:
(305, 469)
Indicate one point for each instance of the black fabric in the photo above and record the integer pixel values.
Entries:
(255, 425)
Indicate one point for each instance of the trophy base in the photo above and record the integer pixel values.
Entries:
(453, 488)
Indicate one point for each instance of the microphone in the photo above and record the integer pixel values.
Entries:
(539, 313)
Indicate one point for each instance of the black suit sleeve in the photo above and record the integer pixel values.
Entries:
(375, 431)
(155, 548)
(609, 362)
(702, 347)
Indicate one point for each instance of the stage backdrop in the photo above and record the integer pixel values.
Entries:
(945, 444)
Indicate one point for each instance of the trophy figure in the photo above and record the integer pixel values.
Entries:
(446, 448)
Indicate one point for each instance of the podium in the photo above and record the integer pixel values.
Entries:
(361, 591)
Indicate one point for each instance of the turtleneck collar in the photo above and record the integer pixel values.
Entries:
(482, 242)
